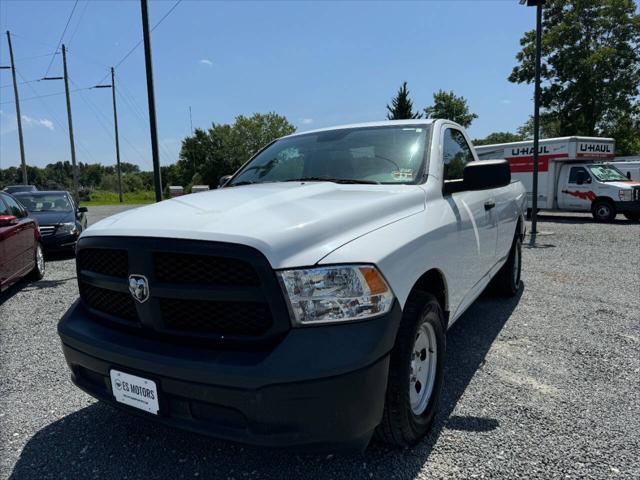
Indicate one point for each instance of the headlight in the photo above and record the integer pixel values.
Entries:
(67, 228)
(335, 294)
(624, 195)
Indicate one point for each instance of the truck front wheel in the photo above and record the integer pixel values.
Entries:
(603, 211)
(415, 373)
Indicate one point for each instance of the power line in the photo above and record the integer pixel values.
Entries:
(141, 40)
(61, 37)
(102, 121)
(34, 56)
(32, 40)
(20, 83)
(44, 96)
(138, 111)
(73, 34)
(165, 151)
(55, 118)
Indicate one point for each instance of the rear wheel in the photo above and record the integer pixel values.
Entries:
(507, 281)
(415, 373)
(634, 217)
(38, 270)
(603, 211)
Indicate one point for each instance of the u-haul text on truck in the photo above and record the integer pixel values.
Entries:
(574, 174)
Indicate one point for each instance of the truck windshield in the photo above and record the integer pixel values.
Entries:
(352, 155)
(607, 173)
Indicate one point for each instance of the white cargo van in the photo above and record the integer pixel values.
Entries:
(573, 175)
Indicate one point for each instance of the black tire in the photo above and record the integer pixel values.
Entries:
(400, 426)
(39, 268)
(603, 211)
(507, 281)
(634, 217)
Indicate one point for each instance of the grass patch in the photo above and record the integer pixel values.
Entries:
(102, 197)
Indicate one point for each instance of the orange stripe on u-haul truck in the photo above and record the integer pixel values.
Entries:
(525, 164)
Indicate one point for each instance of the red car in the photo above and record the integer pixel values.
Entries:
(20, 247)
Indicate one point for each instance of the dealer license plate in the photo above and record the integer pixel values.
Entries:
(135, 391)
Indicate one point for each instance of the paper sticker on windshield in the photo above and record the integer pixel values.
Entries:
(403, 174)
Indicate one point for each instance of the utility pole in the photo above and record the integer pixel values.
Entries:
(70, 120)
(115, 124)
(536, 119)
(18, 116)
(190, 120)
(157, 180)
(536, 114)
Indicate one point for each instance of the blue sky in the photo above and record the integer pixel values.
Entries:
(317, 63)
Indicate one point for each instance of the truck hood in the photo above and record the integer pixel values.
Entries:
(293, 224)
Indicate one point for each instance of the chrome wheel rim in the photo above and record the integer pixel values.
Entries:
(39, 259)
(422, 370)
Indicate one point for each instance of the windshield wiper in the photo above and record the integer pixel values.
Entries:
(334, 180)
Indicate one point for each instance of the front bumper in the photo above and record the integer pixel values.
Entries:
(59, 242)
(628, 207)
(319, 387)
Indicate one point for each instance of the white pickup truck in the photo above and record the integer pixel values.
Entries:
(305, 303)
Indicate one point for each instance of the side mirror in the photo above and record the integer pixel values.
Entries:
(580, 177)
(223, 180)
(629, 175)
(83, 209)
(6, 220)
(481, 175)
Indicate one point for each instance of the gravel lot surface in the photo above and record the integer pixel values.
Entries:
(546, 385)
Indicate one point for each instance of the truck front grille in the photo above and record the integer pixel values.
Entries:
(112, 262)
(117, 304)
(197, 290)
(235, 318)
(203, 270)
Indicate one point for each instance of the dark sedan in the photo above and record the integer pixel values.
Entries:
(61, 220)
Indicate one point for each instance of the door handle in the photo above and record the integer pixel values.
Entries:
(489, 204)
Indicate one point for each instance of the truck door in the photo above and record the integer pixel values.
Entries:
(5, 235)
(18, 239)
(475, 210)
(575, 188)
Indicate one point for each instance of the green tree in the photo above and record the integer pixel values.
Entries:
(401, 106)
(498, 137)
(590, 69)
(449, 106)
(549, 127)
(222, 149)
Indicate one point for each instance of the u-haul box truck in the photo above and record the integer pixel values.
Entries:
(573, 175)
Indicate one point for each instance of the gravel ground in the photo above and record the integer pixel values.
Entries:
(546, 385)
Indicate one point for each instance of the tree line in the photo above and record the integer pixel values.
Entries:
(59, 176)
